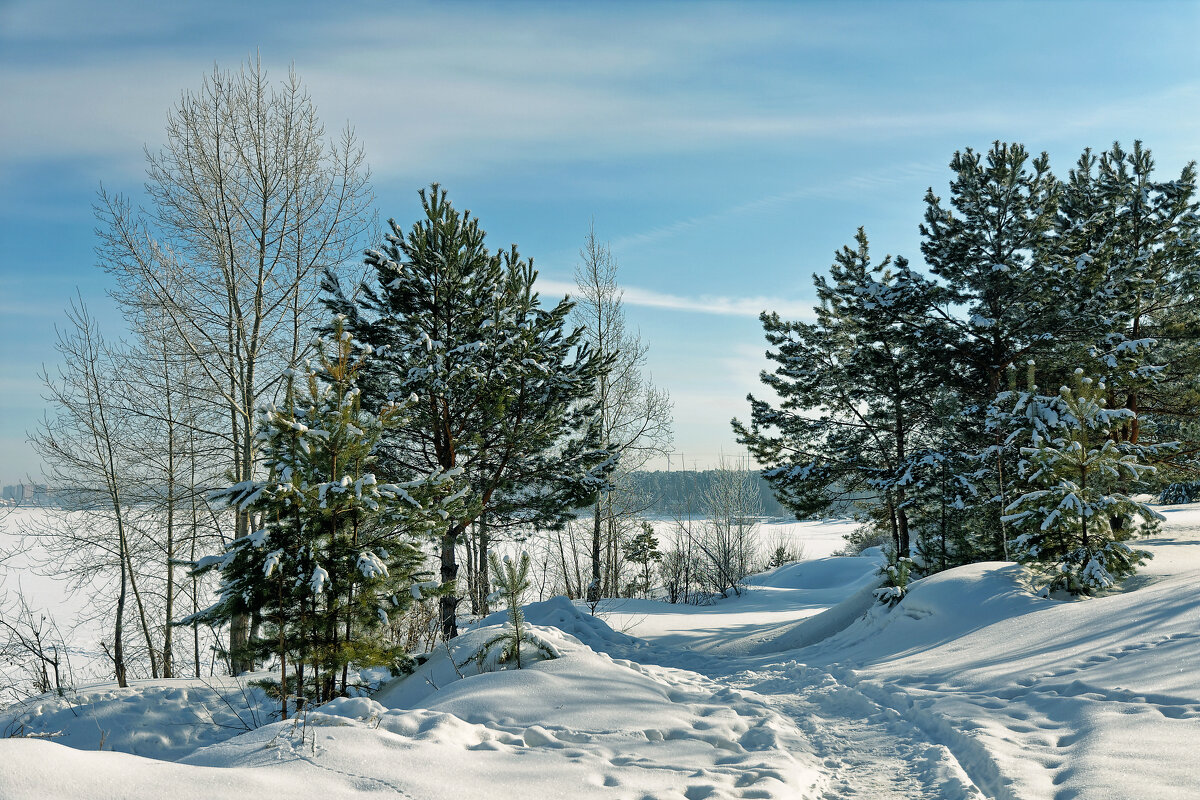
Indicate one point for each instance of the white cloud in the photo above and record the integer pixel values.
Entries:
(451, 88)
(457, 89)
(703, 304)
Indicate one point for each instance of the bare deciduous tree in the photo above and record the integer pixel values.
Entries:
(635, 414)
(171, 418)
(31, 648)
(80, 442)
(250, 204)
(726, 541)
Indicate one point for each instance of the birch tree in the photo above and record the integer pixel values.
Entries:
(249, 205)
(635, 415)
(80, 442)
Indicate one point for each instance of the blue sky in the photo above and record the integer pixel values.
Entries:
(725, 150)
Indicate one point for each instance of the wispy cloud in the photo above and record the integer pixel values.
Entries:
(898, 175)
(439, 87)
(461, 89)
(703, 304)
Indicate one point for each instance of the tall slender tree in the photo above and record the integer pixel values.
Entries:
(635, 415)
(82, 442)
(501, 390)
(249, 204)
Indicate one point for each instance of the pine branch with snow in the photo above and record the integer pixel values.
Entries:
(1072, 520)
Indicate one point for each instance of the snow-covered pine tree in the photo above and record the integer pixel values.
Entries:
(855, 386)
(1017, 422)
(500, 389)
(1002, 300)
(1141, 241)
(1180, 492)
(1072, 521)
(337, 556)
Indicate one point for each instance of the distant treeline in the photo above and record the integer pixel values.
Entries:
(668, 491)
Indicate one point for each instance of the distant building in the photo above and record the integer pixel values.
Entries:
(26, 494)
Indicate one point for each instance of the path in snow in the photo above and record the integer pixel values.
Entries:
(869, 748)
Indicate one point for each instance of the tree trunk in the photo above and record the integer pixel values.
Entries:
(481, 571)
(137, 597)
(891, 508)
(562, 556)
(472, 575)
(448, 603)
(283, 692)
(119, 625)
(902, 529)
(168, 668)
(593, 589)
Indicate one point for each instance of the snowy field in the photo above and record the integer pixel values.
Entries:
(971, 687)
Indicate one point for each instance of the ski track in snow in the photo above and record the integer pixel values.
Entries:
(1040, 716)
(869, 749)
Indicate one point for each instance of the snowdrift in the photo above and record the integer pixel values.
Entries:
(561, 613)
(936, 610)
(584, 724)
(970, 687)
(162, 719)
(850, 583)
(602, 710)
(1093, 698)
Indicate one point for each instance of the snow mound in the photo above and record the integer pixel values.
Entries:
(818, 573)
(581, 724)
(561, 613)
(32, 769)
(603, 710)
(1037, 697)
(935, 610)
(164, 719)
(817, 628)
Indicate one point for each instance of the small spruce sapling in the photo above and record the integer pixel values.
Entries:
(505, 648)
(779, 557)
(896, 574)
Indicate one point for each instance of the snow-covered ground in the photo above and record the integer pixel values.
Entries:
(971, 687)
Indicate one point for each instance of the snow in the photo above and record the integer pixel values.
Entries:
(970, 687)
(162, 719)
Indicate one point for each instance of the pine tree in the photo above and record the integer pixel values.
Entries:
(855, 388)
(516, 644)
(1072, 521)
(988, 248)
(338, 554)
(1143, 248)
(1002, 299)
(643, 550)
(500, 389)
